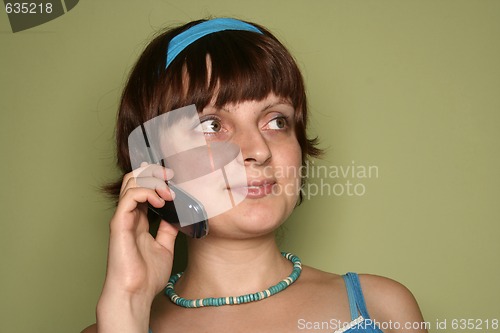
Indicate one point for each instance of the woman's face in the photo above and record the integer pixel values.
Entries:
(264, 131)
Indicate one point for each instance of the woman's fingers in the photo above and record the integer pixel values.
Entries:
(151, 176)
(165, 235)
(127, 209)
(136, 195)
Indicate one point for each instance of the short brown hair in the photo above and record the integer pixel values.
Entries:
(244, 66)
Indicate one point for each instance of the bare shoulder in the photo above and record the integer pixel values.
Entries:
(91, 329)
(385, 290)
(390, 301)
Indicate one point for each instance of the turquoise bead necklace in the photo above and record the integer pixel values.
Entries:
(234, 300)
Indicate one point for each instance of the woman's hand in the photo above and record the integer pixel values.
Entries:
(139, 265)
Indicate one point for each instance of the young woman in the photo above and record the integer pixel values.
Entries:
(248, 91)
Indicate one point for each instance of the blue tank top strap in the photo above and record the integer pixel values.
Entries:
(351, 296)
(355, 294)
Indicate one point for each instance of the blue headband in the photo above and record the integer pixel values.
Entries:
(191, 35)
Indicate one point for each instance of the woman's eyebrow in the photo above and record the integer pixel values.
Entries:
(277, 103)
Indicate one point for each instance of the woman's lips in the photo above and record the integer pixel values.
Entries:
(256, 189)
(259, 191)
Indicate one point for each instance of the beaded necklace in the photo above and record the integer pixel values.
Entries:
(235, 300)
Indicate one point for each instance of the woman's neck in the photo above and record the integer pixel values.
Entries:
(222, 267)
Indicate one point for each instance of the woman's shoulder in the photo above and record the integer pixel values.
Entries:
(389, 301)
(384, 288)
(376, 289)
(386, 300)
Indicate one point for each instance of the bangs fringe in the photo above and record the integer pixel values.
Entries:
(238, 66)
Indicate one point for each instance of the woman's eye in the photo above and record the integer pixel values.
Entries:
(277, 123)
(211, 126)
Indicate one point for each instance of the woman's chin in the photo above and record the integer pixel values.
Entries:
(242, 227)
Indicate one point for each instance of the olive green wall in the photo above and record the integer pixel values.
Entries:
(408, 89)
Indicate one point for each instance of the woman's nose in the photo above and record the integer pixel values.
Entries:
(254, 147)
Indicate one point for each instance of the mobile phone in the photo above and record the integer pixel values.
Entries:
(185, 212)
(195, 221)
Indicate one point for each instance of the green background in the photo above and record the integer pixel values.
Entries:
(410, 87)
